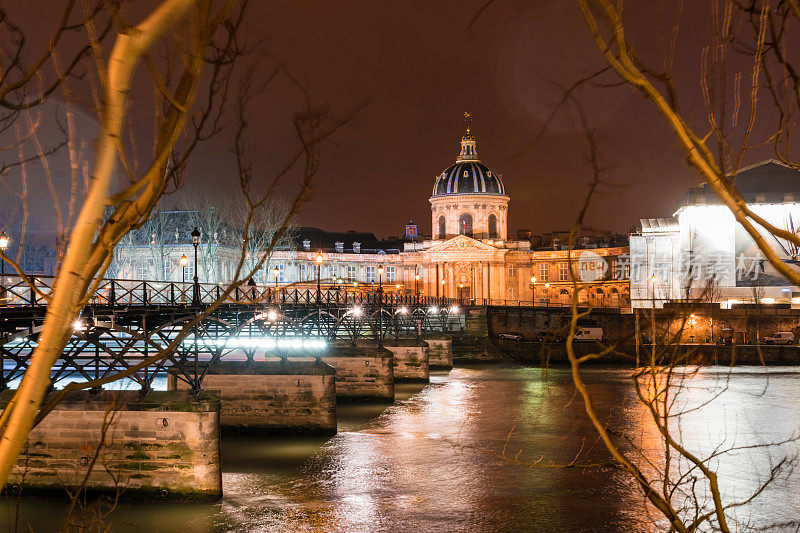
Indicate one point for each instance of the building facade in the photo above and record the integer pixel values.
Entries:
(702, 253)
(468, 256)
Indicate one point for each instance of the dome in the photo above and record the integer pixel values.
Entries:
(468, 175)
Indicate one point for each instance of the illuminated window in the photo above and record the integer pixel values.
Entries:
(391, 273)
(465, 224)
(144, 269)
(492, 227)
(563, 272)
(512, 271)
(303, 272)
(544, 272)
(351, 272)
(371, 273)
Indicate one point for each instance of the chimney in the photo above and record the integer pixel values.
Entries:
(339, 247)
(356, 247)
(307, 246)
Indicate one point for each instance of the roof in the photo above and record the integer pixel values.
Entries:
(652, 225)
(766, 182)
(468, 175)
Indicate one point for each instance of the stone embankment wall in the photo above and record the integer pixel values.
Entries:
(164, 445)
(440, 351)
(473, 345)
(363, 372)
(410, 360)
(273, 396)
(698, 324)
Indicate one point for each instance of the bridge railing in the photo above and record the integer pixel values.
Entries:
(15, 292)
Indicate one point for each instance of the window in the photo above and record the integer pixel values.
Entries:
(303, 272)
(512, 293)
(144, 269)
(465, 224)
(544, 272)
(563, 297)
(168, 266)
(281, 273)
(563, 273)
(492, 227)
(391, 273)
(599, 296)
(188, 272)
(442, 232)
(371, 274)
(333, 271)
(512, 271)
(351, 272)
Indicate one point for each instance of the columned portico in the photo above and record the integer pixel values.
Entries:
(461, 261)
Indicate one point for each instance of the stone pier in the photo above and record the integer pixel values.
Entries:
(363, 372)
(272, 396)
(440, 351)
(410, 360)
(163, 446)
(473, 345)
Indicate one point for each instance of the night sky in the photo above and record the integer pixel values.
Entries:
(417, 67)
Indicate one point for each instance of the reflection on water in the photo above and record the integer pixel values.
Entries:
(425, 462)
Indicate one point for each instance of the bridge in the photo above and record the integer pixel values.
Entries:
(128, 321)
(265, 359)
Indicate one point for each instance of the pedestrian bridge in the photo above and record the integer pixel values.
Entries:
(134, 326)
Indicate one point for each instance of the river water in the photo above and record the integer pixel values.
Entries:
(428, 462)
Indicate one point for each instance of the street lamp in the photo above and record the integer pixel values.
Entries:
(380, 306)
(533, 291)
(318, 259)
(277, 272)
(3, 246)
(196, 286)
(183, 261)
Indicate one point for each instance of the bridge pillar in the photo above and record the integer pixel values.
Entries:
(473, 345)
(363, 372)
(410, 360)
(164, 446)
(272, 396)
(440, 351)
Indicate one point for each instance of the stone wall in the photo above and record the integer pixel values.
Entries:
(164, 445)
(747, 325)
(473, 345)
(410, 360)
(440, 351)
(363, 372)
(273, 396)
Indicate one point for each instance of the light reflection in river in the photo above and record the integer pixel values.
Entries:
(424, 462)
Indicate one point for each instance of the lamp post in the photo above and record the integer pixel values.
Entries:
(3, 246)
(183, 261)
(533, 291)
(318, 259)
(196, 286)
(442, 283)
(416, 286)
(547, 294)
(380, 306)
(277, 272)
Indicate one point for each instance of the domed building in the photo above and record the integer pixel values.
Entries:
(469, 198)
(468, 254)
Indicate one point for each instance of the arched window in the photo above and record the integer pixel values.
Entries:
(563, 297)
(492, 227)
(465, 224)
(442, 232)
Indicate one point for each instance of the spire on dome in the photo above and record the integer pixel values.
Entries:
(468, 149)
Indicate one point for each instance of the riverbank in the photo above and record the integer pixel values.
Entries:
(545, 353)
